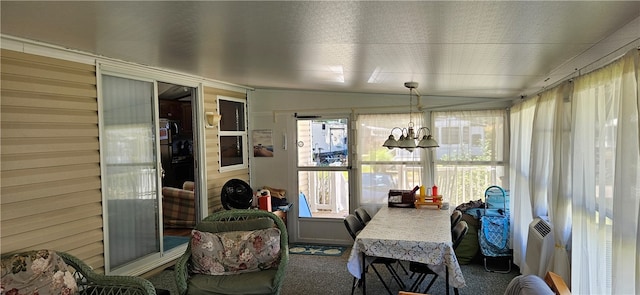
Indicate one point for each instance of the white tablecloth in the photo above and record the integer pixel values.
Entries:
(421, 235)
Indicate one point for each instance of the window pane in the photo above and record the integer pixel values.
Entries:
(373, 130)
(231, 150)
(232, 115)
(233, 134)
(471, 153)
(470, 136)
(383, 169)
(326, 193)
(464, 183)
(377, 180)
(323, 143)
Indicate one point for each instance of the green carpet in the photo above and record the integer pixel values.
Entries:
(309, 249)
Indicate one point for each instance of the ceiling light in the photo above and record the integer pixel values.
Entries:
(408, 136)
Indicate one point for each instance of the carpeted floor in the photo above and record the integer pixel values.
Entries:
(325, 275)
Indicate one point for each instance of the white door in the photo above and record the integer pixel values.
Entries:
(323, 167)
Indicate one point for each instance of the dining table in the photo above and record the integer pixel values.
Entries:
(408, 234)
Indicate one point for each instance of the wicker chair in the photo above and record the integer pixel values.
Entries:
(91, 283)
(268, 281)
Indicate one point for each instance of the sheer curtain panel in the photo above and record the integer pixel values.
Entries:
(605, 180)
(382, 169)
(520, 162)
(471, 156)
(575, 155)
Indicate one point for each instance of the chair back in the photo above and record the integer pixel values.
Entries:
(75, 276)
(353, 225)
(363, 215)
(229, 221)
(458, 233)
(456, 216)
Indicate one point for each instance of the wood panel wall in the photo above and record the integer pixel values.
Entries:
(50, 182)
(216, 179)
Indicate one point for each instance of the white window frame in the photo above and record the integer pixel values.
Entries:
(243, 134)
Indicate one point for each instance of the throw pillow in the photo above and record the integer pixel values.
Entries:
(40, 272)
(235, 225)
(234, 252)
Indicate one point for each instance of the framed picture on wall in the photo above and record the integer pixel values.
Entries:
(262, 143)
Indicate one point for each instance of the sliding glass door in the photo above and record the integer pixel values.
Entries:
(130, 173)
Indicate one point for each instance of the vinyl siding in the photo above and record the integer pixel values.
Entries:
(215, 179)
(50, 187)
(50, 163)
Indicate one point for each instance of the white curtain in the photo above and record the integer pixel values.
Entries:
(540, 171)
(382, 169)
(606, 185)
(575, 155)
(549, 170)
(521, 133)
(471, 156)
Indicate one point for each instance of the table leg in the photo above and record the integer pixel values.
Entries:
(363, 274)
(447, 278)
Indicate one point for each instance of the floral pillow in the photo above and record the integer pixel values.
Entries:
(40, 272)
(234, 252)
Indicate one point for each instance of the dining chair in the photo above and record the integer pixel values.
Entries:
(362, 215)
(456, 216)
(457, 234)
(354, 226)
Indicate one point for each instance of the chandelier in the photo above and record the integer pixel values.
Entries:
(409, 138)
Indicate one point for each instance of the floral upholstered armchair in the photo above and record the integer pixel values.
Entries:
(45, 272)
(238, 251)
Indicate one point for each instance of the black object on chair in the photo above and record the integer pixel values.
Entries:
(457, 234)
(354, 226)
(363, 215)
(456, 216)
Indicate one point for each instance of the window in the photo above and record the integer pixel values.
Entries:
(471, 156)
(382, 169)
(323, 166)
(233, 133)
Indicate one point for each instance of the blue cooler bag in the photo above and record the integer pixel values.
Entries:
(494, 236)
(494, 224)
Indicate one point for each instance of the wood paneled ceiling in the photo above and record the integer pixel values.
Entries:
(488, 49)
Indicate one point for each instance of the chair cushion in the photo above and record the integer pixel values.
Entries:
(259, 282)
(188, 185)
(40, 272)
(236, 225)
(234, 252)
